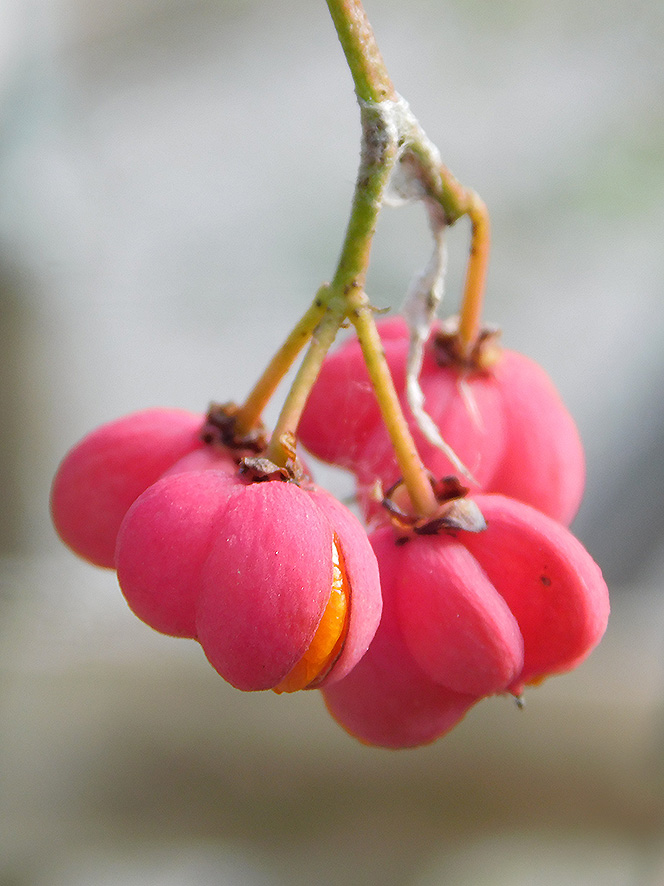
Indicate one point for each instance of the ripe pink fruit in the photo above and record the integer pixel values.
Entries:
(267, 582)
(467, 615)
(107, 470)
(278, 583)
(506, 423)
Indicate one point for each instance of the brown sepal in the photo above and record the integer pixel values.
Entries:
(449, 351)
(455, 511)
(258, 470)
(220, 429)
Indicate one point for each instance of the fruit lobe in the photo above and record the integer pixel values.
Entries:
(456, 625)
(264, 586)
(102, 475)
(543, 462)
(550, 582)
(163, 543)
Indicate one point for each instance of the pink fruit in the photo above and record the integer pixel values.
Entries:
(277, 582)
(494, 610)
(101, 476)
(506, 423)
(467, 615)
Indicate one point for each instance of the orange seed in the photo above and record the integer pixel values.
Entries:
(330, 634)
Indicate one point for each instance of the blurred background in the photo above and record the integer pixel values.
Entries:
(175, 179)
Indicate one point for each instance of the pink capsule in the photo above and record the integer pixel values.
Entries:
(494, 610)
(467, 615)
(277, 582)
(506, 423)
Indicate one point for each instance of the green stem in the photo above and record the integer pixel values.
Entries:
(414, 474)
(380, 149)
(377, 160)
(250, 412)
(289, 417)
(372, 82)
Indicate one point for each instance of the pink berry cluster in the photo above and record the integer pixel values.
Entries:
(494, 593)
(404, 629)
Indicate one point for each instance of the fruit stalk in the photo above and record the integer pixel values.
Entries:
(372, 82)
(280, 446)
(249, 414)
(470, 315)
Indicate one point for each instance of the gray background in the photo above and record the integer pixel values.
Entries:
(174, 185)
